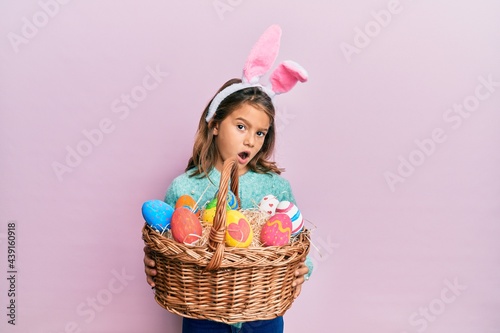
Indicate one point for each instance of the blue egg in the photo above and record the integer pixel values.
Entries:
(231, 199)
(157, 214)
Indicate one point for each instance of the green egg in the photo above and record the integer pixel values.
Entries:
(213, 203)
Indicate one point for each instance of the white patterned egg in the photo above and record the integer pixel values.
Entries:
(288, 208)
(268, 204)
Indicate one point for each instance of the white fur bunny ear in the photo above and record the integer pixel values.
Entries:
(263, 54)
(286, 76)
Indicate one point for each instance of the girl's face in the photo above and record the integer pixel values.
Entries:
(241, 134)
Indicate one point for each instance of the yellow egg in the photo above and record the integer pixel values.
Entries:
(208, 215)
(239, 232)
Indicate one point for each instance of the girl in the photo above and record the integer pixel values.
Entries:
(242, 126)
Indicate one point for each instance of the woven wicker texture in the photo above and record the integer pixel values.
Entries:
(220, 283)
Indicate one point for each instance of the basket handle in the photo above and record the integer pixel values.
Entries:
(216, 240)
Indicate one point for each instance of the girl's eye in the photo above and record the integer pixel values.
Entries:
(261, 134)
(240, 127)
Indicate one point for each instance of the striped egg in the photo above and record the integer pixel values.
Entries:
(288, 208)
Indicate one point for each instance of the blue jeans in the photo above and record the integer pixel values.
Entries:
(207, 326)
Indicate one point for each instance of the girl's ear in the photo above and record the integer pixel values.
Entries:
(215, 129)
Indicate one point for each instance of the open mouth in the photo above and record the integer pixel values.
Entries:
(243, 155)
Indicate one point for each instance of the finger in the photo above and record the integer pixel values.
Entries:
(301, 265)
(150, 281)
(298, 281)
(302, 270)
(149, 267)
(148, 262)
(297, 291)
(150, 271)
(150, 274)
(147, 259)
(147, 252)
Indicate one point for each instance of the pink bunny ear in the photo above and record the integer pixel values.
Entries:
(286, 76)
(263, 54)
(260, 60)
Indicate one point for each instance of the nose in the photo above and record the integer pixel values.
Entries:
(249, 140)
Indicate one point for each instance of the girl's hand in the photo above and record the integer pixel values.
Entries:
(300, 273)
(149, 267)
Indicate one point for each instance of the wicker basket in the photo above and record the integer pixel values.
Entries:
(220, 283)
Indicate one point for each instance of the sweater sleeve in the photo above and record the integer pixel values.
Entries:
(284, 190)
(172, 193)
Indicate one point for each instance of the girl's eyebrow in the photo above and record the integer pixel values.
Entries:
(250, 125)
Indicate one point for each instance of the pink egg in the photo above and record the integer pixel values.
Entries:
(276, 231)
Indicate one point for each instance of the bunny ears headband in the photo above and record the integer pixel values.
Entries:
(259, 61)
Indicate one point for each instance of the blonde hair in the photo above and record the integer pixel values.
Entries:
(205, 150)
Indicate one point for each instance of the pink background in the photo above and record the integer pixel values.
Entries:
(406, 230)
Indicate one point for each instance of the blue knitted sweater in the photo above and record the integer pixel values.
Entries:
(253, 187)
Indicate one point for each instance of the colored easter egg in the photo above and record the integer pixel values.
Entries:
(268, 204)
(185, 226)
(157, 214)
(213, 204)
(231, 200)
(188, 202)
(239, 232)
(208, 215)
(288, 208)
(277, 230)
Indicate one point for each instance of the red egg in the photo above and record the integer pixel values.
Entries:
(276, 231)
(185, 226)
